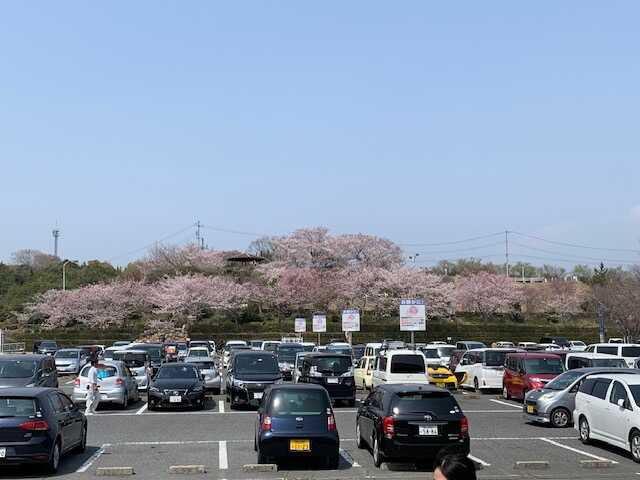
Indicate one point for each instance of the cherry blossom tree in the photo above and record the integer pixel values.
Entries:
(487, 294)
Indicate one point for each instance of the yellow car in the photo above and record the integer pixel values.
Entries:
(442, 377)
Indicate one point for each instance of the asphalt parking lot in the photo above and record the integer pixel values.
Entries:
(222, 441)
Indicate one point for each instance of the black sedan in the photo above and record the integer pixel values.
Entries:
(410, 423)
(39, 425)
(297, 421)
(177, 384)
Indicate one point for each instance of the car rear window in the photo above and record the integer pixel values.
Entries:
(417, 402)
(17, 368)
(256, 364)
(407, 364)
(17, 407)
(430, 353)
(543, 366)
(631, 352)
(131, 360)
(104, 371)
(607, 350)
(331, 365)
(204, 365)
(299, 402)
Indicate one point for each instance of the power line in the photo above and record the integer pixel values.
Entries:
(607, 260)
(575, 245)
(479, 257)
(236, 232)
(148, 246)
(479, 247)
(566, 260)
(455, 242)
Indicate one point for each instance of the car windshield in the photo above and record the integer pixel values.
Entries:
(48, 344)
(155, 353)
(608, 362)
(198, 353)
(299, 402)
(66, 354)
(258, 364)
(340, 350)
(422, 402)
(430, 353)
(494, 358)
(287, 353)
(330, 365)
(104, 371)
(17, 407)
(131, 360)
(631, 352)
(563, 381)
(410, 364)
(182, 372)
(17, 368)
(445, 351)
(204, 365)
(540, 366)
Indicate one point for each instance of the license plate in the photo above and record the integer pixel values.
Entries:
(530, 409)
(175, 399)
(257, 395)
(3, 452)
(332, 380)
(428, 431)
(440, 385)
(300, 445)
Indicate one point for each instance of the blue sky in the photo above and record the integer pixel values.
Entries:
(417, 121)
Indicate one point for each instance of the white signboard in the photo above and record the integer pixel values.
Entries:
(319, 323)
(351, 320)
(413, 316)
(300, 325)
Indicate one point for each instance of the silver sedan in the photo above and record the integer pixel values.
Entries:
(115, 384)
(209, 368)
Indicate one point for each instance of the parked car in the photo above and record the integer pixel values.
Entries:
(297, 421)
(550, 347)
(286, 353)
(209, 345)
(441, 377)
(171, 351)
(372, 349)
(94, 351)
(108, 352)
(175, 385)
(555, 402)
(28, 371)
(528, 345)
(208, 367)
(45, 347)
(469, 345)
(628, 351)
(341, 349)
(155, 351)
(432, 354)
(589, 359)
(505, 345)
(256, 344)
(198, 352)
(363, 373)
(616, 340)
(410, 423)
(39, 426)
(139, 364)
(529, 371)
(70, 360)
(270, 346)
(308, 346)
(358, 352)
(577, 345)
(334, 372)
(483, 368)
(182, 350)
(399, 366)
(607, 407)
(229, 350)
(249, 374)
(297, 368)
(120, 343)
(116, 384)
(562, 342)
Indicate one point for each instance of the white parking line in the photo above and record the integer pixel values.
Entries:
(478, 460)
(348, 458)
(223, 462)
(86, 465)
(491, 411)
(578, 451)
(142, 409)
(507, 404)
(221, 406)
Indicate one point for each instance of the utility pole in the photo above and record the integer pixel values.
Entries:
(56, 235)
(506, 251)
(199, 237)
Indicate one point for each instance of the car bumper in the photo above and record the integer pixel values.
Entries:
(142, 382)
(67, 368)
(532, 412)
(163, 400)
(110, 396)
(277, 445)
(37, 450)
(449, 383)
(392, 448)
(213, 383)
(247, 396)
(344, 390)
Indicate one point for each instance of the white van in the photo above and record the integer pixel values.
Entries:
(483, 368)
(400, 366)
(628, 351)
(372, 349)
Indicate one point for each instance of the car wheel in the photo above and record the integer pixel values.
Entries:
(359, 440)
(560, 417)
(476, 386)
(585, 431)
(634, 442)
(377, 456)
(333, 462)
(83, 441)
(505, 393)
(54, 460)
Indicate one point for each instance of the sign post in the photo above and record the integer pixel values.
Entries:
(319, 323)
(350, 322)
(413, 317)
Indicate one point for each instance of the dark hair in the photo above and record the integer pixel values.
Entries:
(455, 465)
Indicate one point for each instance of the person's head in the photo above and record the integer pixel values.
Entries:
(94, 362)
(453, 466)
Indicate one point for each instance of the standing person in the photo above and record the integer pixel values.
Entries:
(93, 396)
(454, 466)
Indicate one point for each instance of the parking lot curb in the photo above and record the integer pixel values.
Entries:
(532, 465)
(260, 467)
(114, 471)
(187, 469)
(596, 463)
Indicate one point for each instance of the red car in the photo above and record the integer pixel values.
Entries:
(529, 371)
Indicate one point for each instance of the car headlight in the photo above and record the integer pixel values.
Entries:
(547, 396)
(154, 389)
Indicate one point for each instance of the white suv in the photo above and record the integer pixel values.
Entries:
(608, 409)
(400, 366)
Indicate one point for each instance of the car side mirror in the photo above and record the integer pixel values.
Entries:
(621, 402)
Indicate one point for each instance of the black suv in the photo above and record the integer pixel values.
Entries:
(411, 423)
(334, 372)
(248, 375)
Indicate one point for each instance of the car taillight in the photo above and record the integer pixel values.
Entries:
(34, 426)
(331, 422)
(388, 426)
(266, 424)
(76, 382)
(464, 427)
(119, 381)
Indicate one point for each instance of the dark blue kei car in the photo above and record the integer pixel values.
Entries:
(297, 421)
(38, 426)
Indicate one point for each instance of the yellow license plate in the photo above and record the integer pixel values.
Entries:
(299, 445)
(530, 409)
